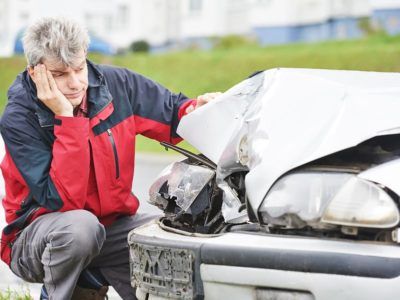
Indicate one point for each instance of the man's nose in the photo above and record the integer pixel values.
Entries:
(73, 81)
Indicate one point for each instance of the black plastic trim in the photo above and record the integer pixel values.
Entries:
(287, 260)
(302, 261)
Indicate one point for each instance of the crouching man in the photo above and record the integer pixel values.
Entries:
(69, 130)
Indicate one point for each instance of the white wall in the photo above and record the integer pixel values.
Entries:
(202, 20)
(384, 4)
(302, 12)
(214, 18)
(122, 21)
(156, 21)
(106, 19)
(4, 29)
(14, 15)
(117, 21)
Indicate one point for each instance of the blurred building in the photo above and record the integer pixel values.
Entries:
(286, 21)
(386, 15)
(167, 24)
(14, 15)
(202, 19)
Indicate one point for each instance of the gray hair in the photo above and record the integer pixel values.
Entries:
(54, 38)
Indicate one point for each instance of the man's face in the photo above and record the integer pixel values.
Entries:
(72, 81)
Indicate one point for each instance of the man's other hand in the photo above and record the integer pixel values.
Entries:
(201, 100)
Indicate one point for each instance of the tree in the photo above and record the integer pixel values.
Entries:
(140, 46)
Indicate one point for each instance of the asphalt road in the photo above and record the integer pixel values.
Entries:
(147, 168)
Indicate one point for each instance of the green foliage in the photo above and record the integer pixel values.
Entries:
(232, 41)
(140, 46)
(9, 68)
(198, 72)
(368, 27)
(9, 294)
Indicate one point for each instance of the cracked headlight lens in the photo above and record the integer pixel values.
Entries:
(182, 182)
(319, 199)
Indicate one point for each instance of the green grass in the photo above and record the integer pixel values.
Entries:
(198, 72)
(9, 294)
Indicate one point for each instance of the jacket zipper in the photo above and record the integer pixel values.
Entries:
(110, 135)
(32, 212)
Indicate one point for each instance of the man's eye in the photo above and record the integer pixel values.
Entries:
(57, 75)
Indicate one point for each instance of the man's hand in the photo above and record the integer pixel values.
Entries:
(49, 94)
(203, 99)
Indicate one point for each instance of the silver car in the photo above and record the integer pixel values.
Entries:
(295, 194)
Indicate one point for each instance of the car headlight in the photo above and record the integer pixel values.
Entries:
(321, 198)
(361, 203)
(179, 181)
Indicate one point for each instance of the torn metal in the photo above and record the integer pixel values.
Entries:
(187, 193)
(282, 119)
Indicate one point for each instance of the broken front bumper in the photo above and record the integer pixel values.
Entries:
(245, 265)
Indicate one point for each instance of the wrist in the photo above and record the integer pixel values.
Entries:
(65, 113)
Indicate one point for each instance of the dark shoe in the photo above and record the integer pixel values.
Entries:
(91, 286)
(90, 294)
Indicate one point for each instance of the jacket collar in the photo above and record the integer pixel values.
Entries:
(99, 96)
(98, 93)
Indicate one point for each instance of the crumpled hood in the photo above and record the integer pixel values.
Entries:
(283, 118)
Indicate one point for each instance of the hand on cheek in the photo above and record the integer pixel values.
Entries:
(48, 92)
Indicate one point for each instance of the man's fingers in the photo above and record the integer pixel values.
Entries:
(45, 81)
(39, 82)
(49, 94)
(203, 99)
(213, 95)
(41, 75)
(43, 84)
(36, 75)
(189, 109)
(52, 82)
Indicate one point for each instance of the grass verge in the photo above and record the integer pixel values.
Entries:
(198, 72)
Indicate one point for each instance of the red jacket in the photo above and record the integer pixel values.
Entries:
(66, 163)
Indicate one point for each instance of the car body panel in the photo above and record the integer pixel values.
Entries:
(240, 263)
(386, 174)
(285, 118)
(286, 125)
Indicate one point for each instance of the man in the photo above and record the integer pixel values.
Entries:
(69, 129)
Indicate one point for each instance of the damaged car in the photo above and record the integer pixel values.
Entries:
(295, 195)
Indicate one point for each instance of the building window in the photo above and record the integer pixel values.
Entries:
(393, 22)
(90, 21)
(108, 23)
(24, 17)
(195, 6)
(123, 16)
(263, 2)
